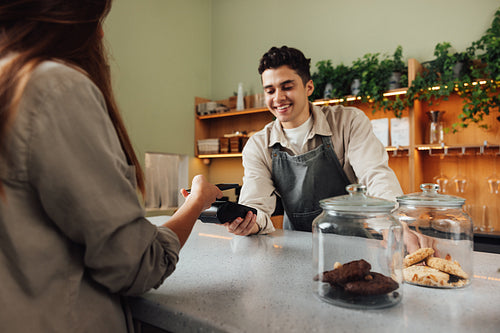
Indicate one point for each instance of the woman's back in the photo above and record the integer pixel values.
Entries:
(54, 213)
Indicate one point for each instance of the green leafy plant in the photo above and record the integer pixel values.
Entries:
(473, 74)
(441, 76)
(477, 83)
(482, 98)
(373, 77)
(339, 77)
(373, 71)
(397, 65)
(479, 101)
(323, 75)
(487, 50)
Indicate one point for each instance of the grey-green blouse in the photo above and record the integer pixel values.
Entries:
(73, 236)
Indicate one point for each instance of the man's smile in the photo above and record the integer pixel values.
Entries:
(282, 108)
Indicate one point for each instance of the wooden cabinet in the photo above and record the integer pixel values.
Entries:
(217, 125)
(472, 152)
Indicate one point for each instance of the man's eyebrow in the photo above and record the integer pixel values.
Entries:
(281, 84)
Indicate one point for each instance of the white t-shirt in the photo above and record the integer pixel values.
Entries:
(297, 136)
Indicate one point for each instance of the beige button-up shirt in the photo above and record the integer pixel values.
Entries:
(361, 155)
(73, 237)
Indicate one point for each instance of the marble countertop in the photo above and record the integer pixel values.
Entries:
(227, 283)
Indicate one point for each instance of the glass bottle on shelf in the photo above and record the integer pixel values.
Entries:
(436, 128)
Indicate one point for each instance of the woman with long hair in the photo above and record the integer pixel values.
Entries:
(73, 237)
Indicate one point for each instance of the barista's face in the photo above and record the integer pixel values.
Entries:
(286, 95)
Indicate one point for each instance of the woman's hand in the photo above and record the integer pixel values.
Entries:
(201, 197)
(202, 192)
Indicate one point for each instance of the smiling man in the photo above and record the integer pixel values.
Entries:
(308, 153)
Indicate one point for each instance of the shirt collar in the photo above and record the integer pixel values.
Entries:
(320, 127)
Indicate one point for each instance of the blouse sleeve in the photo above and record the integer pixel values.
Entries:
(78, 169)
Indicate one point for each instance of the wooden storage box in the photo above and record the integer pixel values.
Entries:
(224, 145)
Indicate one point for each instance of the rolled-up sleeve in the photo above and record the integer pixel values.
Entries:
(258, 189)
(87, 189)
(369, 159)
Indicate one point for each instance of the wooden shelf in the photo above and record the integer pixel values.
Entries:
(352, 98)
(219, 155)
(222, 155)
(458, 149)
(233, 113)
(394, 148)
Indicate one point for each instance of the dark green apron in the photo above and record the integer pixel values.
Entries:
(303, 180)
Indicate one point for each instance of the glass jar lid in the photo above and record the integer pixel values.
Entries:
(357, 201)
(430, 197)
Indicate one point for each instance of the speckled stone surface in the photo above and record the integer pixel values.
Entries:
(227, 283)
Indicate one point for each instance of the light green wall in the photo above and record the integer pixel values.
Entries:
(165, 52)
(161, 60)
(340, 30)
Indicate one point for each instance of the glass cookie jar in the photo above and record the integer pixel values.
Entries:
(357, 251)
(438, 239)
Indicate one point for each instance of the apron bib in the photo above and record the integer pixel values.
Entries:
(303, 180)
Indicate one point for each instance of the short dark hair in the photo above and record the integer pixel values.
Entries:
(286, 56)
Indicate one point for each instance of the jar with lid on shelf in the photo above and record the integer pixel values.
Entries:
(438, 239)
(357, 251)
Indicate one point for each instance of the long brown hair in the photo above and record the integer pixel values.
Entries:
(62, 30)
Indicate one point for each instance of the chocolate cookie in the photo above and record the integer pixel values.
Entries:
(373, 284)
(352, 271)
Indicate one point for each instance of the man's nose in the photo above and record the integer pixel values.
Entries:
(279, 96)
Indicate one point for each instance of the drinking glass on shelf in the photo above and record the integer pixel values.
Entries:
(485, 220)
(442, 180)
(493, 180)
(469, 210)
(460, 180)
(493, 183)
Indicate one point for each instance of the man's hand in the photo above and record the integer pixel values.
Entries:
(415, 240)
(243, 227)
